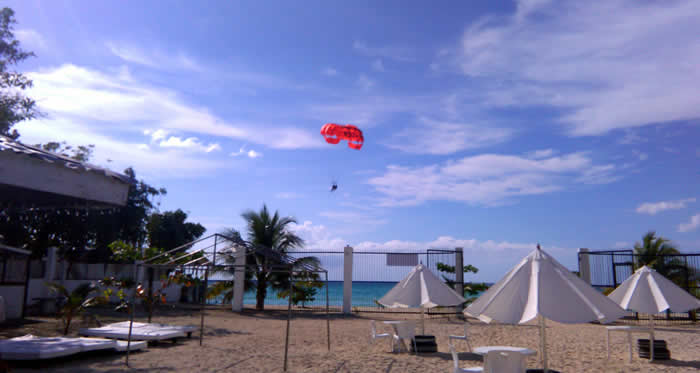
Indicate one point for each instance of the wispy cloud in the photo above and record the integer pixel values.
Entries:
(692, 225)
(190, 143)
(377, 65)
(586, 59)
(364, 82)
(329, 71)
(320, 237)
(438, 137)
(488, 179)
(248, 153)
(402, 54)
(653, 208)
(31, 39)
(153, 59)
(118, 154)
(119, 101)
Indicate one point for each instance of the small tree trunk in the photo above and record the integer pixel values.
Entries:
(261, 293)
(68, 320)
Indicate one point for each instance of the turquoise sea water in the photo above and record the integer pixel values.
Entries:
(363, 294)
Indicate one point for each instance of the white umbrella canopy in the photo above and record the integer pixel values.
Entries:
(421, 288)
(647, 291)
(540, 286)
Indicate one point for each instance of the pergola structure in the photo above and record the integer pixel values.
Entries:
(248, 257)
(32, 178)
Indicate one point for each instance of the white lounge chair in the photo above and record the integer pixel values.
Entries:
(464, 337)
(374, 335)
(455, 360)
(406, 331)
(140, 331)
(30, 347)
(504, 362)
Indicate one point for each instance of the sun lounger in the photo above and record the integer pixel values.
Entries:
(140, 331)
(30, 347)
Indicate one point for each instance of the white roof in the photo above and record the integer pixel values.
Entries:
(648, 291)
(540, 285)
(421, 288)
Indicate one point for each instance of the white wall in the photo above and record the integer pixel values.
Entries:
(13, 295)
(37, 288)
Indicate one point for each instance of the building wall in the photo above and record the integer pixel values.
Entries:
(13, 295)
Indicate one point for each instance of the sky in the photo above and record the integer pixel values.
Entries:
(488, 125)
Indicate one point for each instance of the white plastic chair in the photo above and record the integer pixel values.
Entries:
(464, 337)
(374, 335)
(455, 360)
(504, 362)
(406, 331)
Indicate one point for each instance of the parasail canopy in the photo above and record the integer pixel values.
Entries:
(334, 133)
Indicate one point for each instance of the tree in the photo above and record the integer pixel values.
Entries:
(304, 288)
(472, 289)
(76, 301)
(169, 229)
(272, 232)
(14, 105)
(659, 254)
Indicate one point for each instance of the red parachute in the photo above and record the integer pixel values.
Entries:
(333, 133)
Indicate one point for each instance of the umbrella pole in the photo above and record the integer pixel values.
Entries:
(651, 340)
(422, 320)
(543, 344)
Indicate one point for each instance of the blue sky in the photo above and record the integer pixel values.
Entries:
(488, 125)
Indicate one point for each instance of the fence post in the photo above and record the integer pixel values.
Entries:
(51, 259)
(459, 274)
(584, 265)
(347, 280)
(239, 280)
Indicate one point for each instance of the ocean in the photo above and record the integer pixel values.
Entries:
(364, 294)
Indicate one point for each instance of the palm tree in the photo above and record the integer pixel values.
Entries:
(659, 254)
(271, 232)
(75, 302)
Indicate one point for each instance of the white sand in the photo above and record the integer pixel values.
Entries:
(255, 343)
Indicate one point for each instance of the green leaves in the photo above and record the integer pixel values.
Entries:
(76, 301)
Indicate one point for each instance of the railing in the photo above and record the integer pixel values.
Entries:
(608, 269)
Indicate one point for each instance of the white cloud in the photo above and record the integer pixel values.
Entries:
(632, 137)
(587, 59)
(117, 101)
(487, 179)
(653, 208)
(248, 153)
(118, 154)
(253, 154)
(31, 40)
(190, 143)
(365, 82)
(692, 225)
(495, 257)
(377, 65)
(391, 52)
(329, 71)
(153, 59)
(438, 137)
(542, 153)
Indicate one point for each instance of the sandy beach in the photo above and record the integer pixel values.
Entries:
(254, 342)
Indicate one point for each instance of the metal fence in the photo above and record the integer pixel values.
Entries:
(608, 269)
(373, 274)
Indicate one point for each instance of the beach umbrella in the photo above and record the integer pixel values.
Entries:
(647, 291)
(539, 286)
(421, 288)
